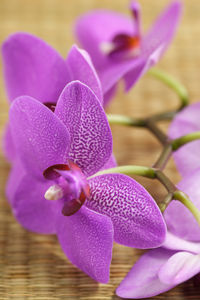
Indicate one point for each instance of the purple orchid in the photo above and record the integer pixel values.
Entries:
(187, 121)
(119, 49)
(57, 154)
(32, 67)
(178, 259)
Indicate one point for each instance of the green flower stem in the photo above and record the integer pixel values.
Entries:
(163, 205)
(165, 116)
(124, 120)
(183, 198)
(166, 182)
(147, 123)
(129, 170)
(172, 82)
(177, 143)
(159, 134)
(164, 157)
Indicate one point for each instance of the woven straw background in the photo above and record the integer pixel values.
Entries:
(33, 266)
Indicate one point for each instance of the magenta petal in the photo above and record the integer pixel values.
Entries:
(40, 138)
(91, 138)
(178, 217)
(143, 281)
(187, 157)
(173, 242)
(109, 95)
(136, 217)
(163, 30)
(31, 67)
(81, 68)
(179, 268)
(87, 238)
(8, 144)
(31, 209)
(16, 174)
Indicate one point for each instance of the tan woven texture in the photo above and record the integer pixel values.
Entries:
(33, 266)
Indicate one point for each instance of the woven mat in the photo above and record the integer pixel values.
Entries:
(33, 266)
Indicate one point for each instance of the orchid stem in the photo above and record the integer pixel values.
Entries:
(124, 120)
(164, 157)
(159, 134)
(184, 199)
(129, 170)
(172, 83)
(179, 142)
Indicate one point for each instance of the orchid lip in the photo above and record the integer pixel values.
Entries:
(50, 105)
(70, 186)
(123, 45)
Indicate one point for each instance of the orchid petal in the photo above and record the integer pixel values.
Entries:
(179, 268)
(163, 30)
(40, 138)
(142, 281)
(111, 163)
(179, 219)
(109, 95)
(187, 157)
(136, 217)
(31, 67)
(173, 242)
(85, 119)
(86, 238)
(31, 209)
(81, 68)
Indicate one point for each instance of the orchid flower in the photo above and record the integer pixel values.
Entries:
(32, 67)
(58, 193)
(186, 121)
(118, 47)
(178, 259)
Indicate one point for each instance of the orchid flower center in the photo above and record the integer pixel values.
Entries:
(70, 186)
(125, 45)
(50, 105)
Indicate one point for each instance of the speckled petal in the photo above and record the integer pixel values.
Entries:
(91, 138)
(81, 68)
(31, 67)
(8, 144)
(178, 217)
(40, 138)
(179, 268)
(136, 217)
(31, 209)
(143, 281)
(87, 239)
(187, 157)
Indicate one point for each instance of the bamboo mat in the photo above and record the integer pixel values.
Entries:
(33, 266)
